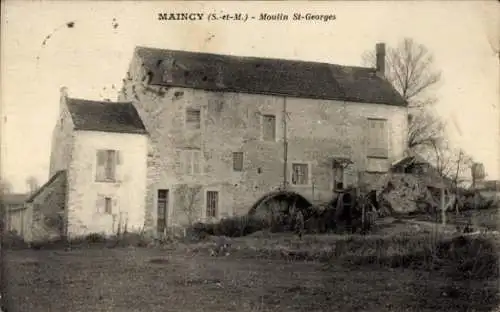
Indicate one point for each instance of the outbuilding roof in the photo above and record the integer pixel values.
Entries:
(121, 117)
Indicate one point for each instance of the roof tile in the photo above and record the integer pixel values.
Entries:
(267, 76)
(105, 116)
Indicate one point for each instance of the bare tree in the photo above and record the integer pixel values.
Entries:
(32, 183)
(410, 69)
(188, 197)
(451, 163)
(425, 130)
(440, 157)
(462, 163)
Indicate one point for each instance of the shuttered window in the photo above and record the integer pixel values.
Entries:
(107, 165)
(238, 161)
(212, 204)
(300, 174)
(162, 206)
(378, 138)
(269, 127)
(338, 177)
(193, 118)
(108, 205)
(190, 161)
(104, 204)
(196, 162)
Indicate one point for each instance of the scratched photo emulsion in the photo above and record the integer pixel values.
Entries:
(179, 156)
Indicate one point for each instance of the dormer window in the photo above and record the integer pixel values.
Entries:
(410, 118)
(148, 78)
(193, 118)
(167, 76)
(219, 79)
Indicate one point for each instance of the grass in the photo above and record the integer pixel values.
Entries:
(484, 219)
(258, 275)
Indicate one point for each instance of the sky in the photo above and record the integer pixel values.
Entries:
(92, 57)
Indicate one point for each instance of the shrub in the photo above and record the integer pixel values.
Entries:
(239, 226)
(95, 238)
(12, 240)
(460, 258)
(129, 239)
(231, 227)
(199, 231)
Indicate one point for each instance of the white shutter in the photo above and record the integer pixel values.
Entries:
(179, 162)
(115, 208)
(119, 172)
(384, 137)
(377, 137)
(196, 162)
(188, 162)
(100, 165)
(100, 204)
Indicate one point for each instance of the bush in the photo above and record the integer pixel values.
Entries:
(95, 238)
(12, 240)
(239, 226)
(460, 258)
(129, 240)
(199, 231)
(474, 200)
(230, 227)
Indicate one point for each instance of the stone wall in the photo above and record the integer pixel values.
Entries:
(126, 192)
(62, 140)
(317, 130)
(48, 211)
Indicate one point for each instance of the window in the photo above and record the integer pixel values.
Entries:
(108, 205)
(269, 127)
(338, 176)
(148, 78)
(162, 209)
(107, 163)
(378, 145)
(167, 76)
(193, 118)
(212, 204)
(104, 205)
(300, 174)
(238, 161)
(190, 161)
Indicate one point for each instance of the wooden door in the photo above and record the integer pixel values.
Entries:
(162, 208)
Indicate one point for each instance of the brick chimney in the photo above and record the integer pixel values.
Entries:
(64, 92)
(380, 54)
(219, 80)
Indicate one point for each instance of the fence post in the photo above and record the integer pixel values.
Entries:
(312, 191)
(443, 207)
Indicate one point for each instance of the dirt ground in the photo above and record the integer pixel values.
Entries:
(125, 279)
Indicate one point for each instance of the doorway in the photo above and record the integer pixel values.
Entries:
(162, 210)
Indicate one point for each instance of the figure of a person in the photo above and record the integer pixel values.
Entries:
(299, 223)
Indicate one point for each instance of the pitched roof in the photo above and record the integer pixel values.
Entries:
(267, 76)
(119, 117)
(410, 160)
(489, 185)
(14, 198)
(60, 173)
(431, 177)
